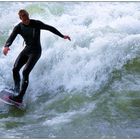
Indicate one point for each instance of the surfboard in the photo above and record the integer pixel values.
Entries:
(4, 97)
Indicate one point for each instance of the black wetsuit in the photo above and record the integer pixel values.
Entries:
(31, 53)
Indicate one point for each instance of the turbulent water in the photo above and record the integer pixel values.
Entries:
(86, 88)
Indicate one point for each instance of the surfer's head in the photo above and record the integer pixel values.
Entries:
(24, 16)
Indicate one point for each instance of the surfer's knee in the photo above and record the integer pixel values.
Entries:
(25, 74)
(25, 77)
(15, 70)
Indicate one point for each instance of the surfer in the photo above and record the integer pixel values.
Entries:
(29, 29)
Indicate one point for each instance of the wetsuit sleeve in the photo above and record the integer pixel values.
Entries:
(12, 36)
(41, 25)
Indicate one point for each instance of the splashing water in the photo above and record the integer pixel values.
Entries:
(86, 88)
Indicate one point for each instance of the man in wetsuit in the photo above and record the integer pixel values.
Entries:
(29, 29)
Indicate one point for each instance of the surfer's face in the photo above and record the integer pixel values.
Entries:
(24, 18)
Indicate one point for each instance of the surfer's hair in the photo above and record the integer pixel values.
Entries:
(23, 11)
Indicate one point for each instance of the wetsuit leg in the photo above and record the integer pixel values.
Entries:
(32, 60)
(20, 61)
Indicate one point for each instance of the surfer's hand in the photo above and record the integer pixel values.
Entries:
(67, 37)
(5, 50)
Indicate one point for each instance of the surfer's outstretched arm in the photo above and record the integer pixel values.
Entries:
(67, 37)
(52, 29)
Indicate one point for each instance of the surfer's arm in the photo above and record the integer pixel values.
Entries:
(5, 50)
(52, 29)
(12, 36)
(10, 40)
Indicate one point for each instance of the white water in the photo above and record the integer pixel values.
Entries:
(105, 35)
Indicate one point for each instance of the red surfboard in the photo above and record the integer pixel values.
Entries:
(4, 97)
